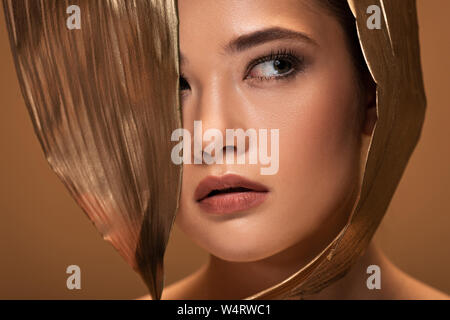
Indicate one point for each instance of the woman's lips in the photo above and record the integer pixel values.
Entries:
(229, 193)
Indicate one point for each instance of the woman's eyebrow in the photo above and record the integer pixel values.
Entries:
(258, 37)
(246, 41)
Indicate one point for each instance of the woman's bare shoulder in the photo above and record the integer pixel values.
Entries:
(410, 288)
(146, 297)
(417, 290)
(172, 292)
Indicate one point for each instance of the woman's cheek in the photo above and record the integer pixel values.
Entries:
(318, 150)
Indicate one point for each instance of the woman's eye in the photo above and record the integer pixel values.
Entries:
(271, 69)
(184, 85)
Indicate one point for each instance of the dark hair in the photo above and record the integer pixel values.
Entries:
(341, 10)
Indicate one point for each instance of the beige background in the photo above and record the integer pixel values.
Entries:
(43, 231)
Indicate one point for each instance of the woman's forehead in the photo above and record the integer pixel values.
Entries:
(220, 21)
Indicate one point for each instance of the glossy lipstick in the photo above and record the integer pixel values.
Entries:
(229, 193)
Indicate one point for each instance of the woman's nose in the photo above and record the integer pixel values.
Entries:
(219, 110)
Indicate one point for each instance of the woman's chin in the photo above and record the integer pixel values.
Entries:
(242, 253)
(241, 257)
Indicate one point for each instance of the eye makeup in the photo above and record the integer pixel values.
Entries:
(277, 59)
(286, 62)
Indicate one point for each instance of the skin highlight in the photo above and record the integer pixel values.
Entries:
(228, 50)
(319, 133)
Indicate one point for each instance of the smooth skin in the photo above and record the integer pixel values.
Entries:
(298, 76)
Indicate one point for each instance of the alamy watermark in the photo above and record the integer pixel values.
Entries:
(374, 20)
(213, 153)
(74, 20)
(374, 280)
(73, 282)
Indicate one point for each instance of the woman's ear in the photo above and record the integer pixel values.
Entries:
(370, 110)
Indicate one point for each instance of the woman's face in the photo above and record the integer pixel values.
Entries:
(264, 64)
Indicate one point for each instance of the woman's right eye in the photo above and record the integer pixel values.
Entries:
(184, 85)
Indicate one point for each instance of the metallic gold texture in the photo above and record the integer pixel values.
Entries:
(104, 101)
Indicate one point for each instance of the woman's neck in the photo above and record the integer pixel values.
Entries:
(221, 279)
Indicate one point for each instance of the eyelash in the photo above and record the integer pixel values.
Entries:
(296, 61)
(287, 54)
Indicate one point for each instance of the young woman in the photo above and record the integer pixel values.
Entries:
(104, 103)
(294, 65)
